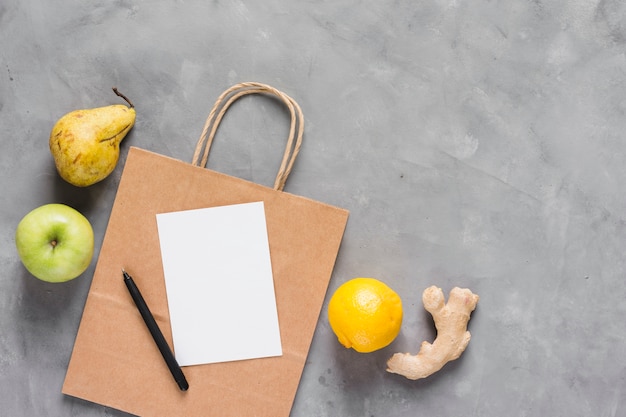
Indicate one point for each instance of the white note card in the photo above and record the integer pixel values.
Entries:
(219, 284)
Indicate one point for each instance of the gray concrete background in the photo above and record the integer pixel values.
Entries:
(476, 144)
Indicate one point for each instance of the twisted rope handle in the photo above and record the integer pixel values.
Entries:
(224, 101)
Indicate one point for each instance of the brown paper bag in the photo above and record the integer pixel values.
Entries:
(116, 363)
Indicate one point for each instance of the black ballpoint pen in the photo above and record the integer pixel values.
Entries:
(158, 337)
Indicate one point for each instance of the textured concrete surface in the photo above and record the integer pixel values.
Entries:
(476, 143)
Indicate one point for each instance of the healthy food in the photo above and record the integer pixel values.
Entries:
(85, 144)
(365, 314)
(452, 336)
(55, 242)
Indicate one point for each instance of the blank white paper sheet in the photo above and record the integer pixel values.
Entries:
(219, 284)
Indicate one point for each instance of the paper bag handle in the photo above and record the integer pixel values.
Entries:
(228, 97)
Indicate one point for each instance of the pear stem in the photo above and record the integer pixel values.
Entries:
(123, 96)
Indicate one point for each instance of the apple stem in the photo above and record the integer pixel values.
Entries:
(53, 243)
(123, 96)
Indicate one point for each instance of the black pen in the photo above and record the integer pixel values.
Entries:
(177, 373)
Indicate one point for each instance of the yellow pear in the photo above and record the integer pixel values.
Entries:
(85, 143)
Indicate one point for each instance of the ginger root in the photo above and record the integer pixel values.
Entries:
(452, 335)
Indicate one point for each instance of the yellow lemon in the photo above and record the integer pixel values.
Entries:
(365, 314)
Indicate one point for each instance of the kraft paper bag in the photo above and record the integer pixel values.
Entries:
(116, 363)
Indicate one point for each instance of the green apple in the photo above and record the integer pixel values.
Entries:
(55, 242)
